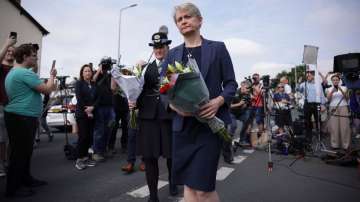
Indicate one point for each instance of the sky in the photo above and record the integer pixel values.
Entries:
(263, 36)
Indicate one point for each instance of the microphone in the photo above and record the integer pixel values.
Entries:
(164, 29)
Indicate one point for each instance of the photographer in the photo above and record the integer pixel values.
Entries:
(257, 103)
(240, 110)
(104, 112)
(339, 122)
(282, 109)
(354, 104)
(7, 62)
(287, 88)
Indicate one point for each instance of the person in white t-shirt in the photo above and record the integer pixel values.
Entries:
(339, 122)
(287, 88)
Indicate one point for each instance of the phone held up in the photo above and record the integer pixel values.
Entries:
(13, 35)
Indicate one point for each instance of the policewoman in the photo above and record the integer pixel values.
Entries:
(154, 137)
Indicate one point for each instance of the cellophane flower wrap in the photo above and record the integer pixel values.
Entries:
(131, 82)
(187, 91)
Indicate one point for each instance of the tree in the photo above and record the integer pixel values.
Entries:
(300, 73)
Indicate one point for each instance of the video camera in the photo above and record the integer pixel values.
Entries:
(107, 63)
(266, 81)
(62, 80)
(349, 66)
(249, 79)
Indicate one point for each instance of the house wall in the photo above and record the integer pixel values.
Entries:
(12, 20)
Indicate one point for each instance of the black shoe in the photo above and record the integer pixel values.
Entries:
(173, 190)
(20, 193)
(229, 160)
(153, 200)
(35, 183)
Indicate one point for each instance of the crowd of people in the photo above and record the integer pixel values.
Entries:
(325, 106)
(191, 149)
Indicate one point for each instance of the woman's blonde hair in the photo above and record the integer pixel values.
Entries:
(190, 7)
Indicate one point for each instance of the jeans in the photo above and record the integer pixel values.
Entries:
(233, 124)
(246, 120)
(124, 117)
(104, 120)
(132, 145)
(44, 125)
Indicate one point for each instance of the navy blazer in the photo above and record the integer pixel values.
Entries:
(217, 71)
(85, 96)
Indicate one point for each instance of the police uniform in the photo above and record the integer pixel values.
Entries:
(154, 138)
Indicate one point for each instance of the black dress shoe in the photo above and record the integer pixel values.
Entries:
(35, 183)
(20, 193)
(173, 190)
(229, 160)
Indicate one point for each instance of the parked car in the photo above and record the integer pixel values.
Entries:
(61, 108)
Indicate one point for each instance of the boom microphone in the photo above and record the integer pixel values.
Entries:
(164, 29)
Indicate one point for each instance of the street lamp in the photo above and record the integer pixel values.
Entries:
(121, 10)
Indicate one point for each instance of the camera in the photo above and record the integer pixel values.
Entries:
(107, 62)
(266, 81)
(249, 79)
(349, 66)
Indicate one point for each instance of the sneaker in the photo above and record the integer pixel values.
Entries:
(89, 162)
(98, 158)
(80, 165)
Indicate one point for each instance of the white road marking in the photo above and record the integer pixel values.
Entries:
(223, 172)
(143, 191)
(239, 159)
(248, 151)
(181, 200)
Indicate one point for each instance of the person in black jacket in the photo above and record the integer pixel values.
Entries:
(155, 133)
(85, 95)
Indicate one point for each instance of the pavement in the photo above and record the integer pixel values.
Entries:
(247, 179)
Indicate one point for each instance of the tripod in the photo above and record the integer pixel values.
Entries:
(64, 97)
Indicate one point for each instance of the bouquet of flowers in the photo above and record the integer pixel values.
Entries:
(187, 91)
(131, 81)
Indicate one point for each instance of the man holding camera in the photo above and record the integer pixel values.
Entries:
(104, 112)
(257, 103)
(240, 108)
(7, 62)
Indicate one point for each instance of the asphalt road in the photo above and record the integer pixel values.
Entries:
(307, 180)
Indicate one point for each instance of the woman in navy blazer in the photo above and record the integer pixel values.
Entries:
(196, 149)
(85, 96)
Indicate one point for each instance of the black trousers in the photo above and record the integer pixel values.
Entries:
(309, 110)
(85, 136)
(152, 175)
(122, 115)
(21, 131)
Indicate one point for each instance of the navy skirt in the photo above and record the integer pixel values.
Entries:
(195, 155)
